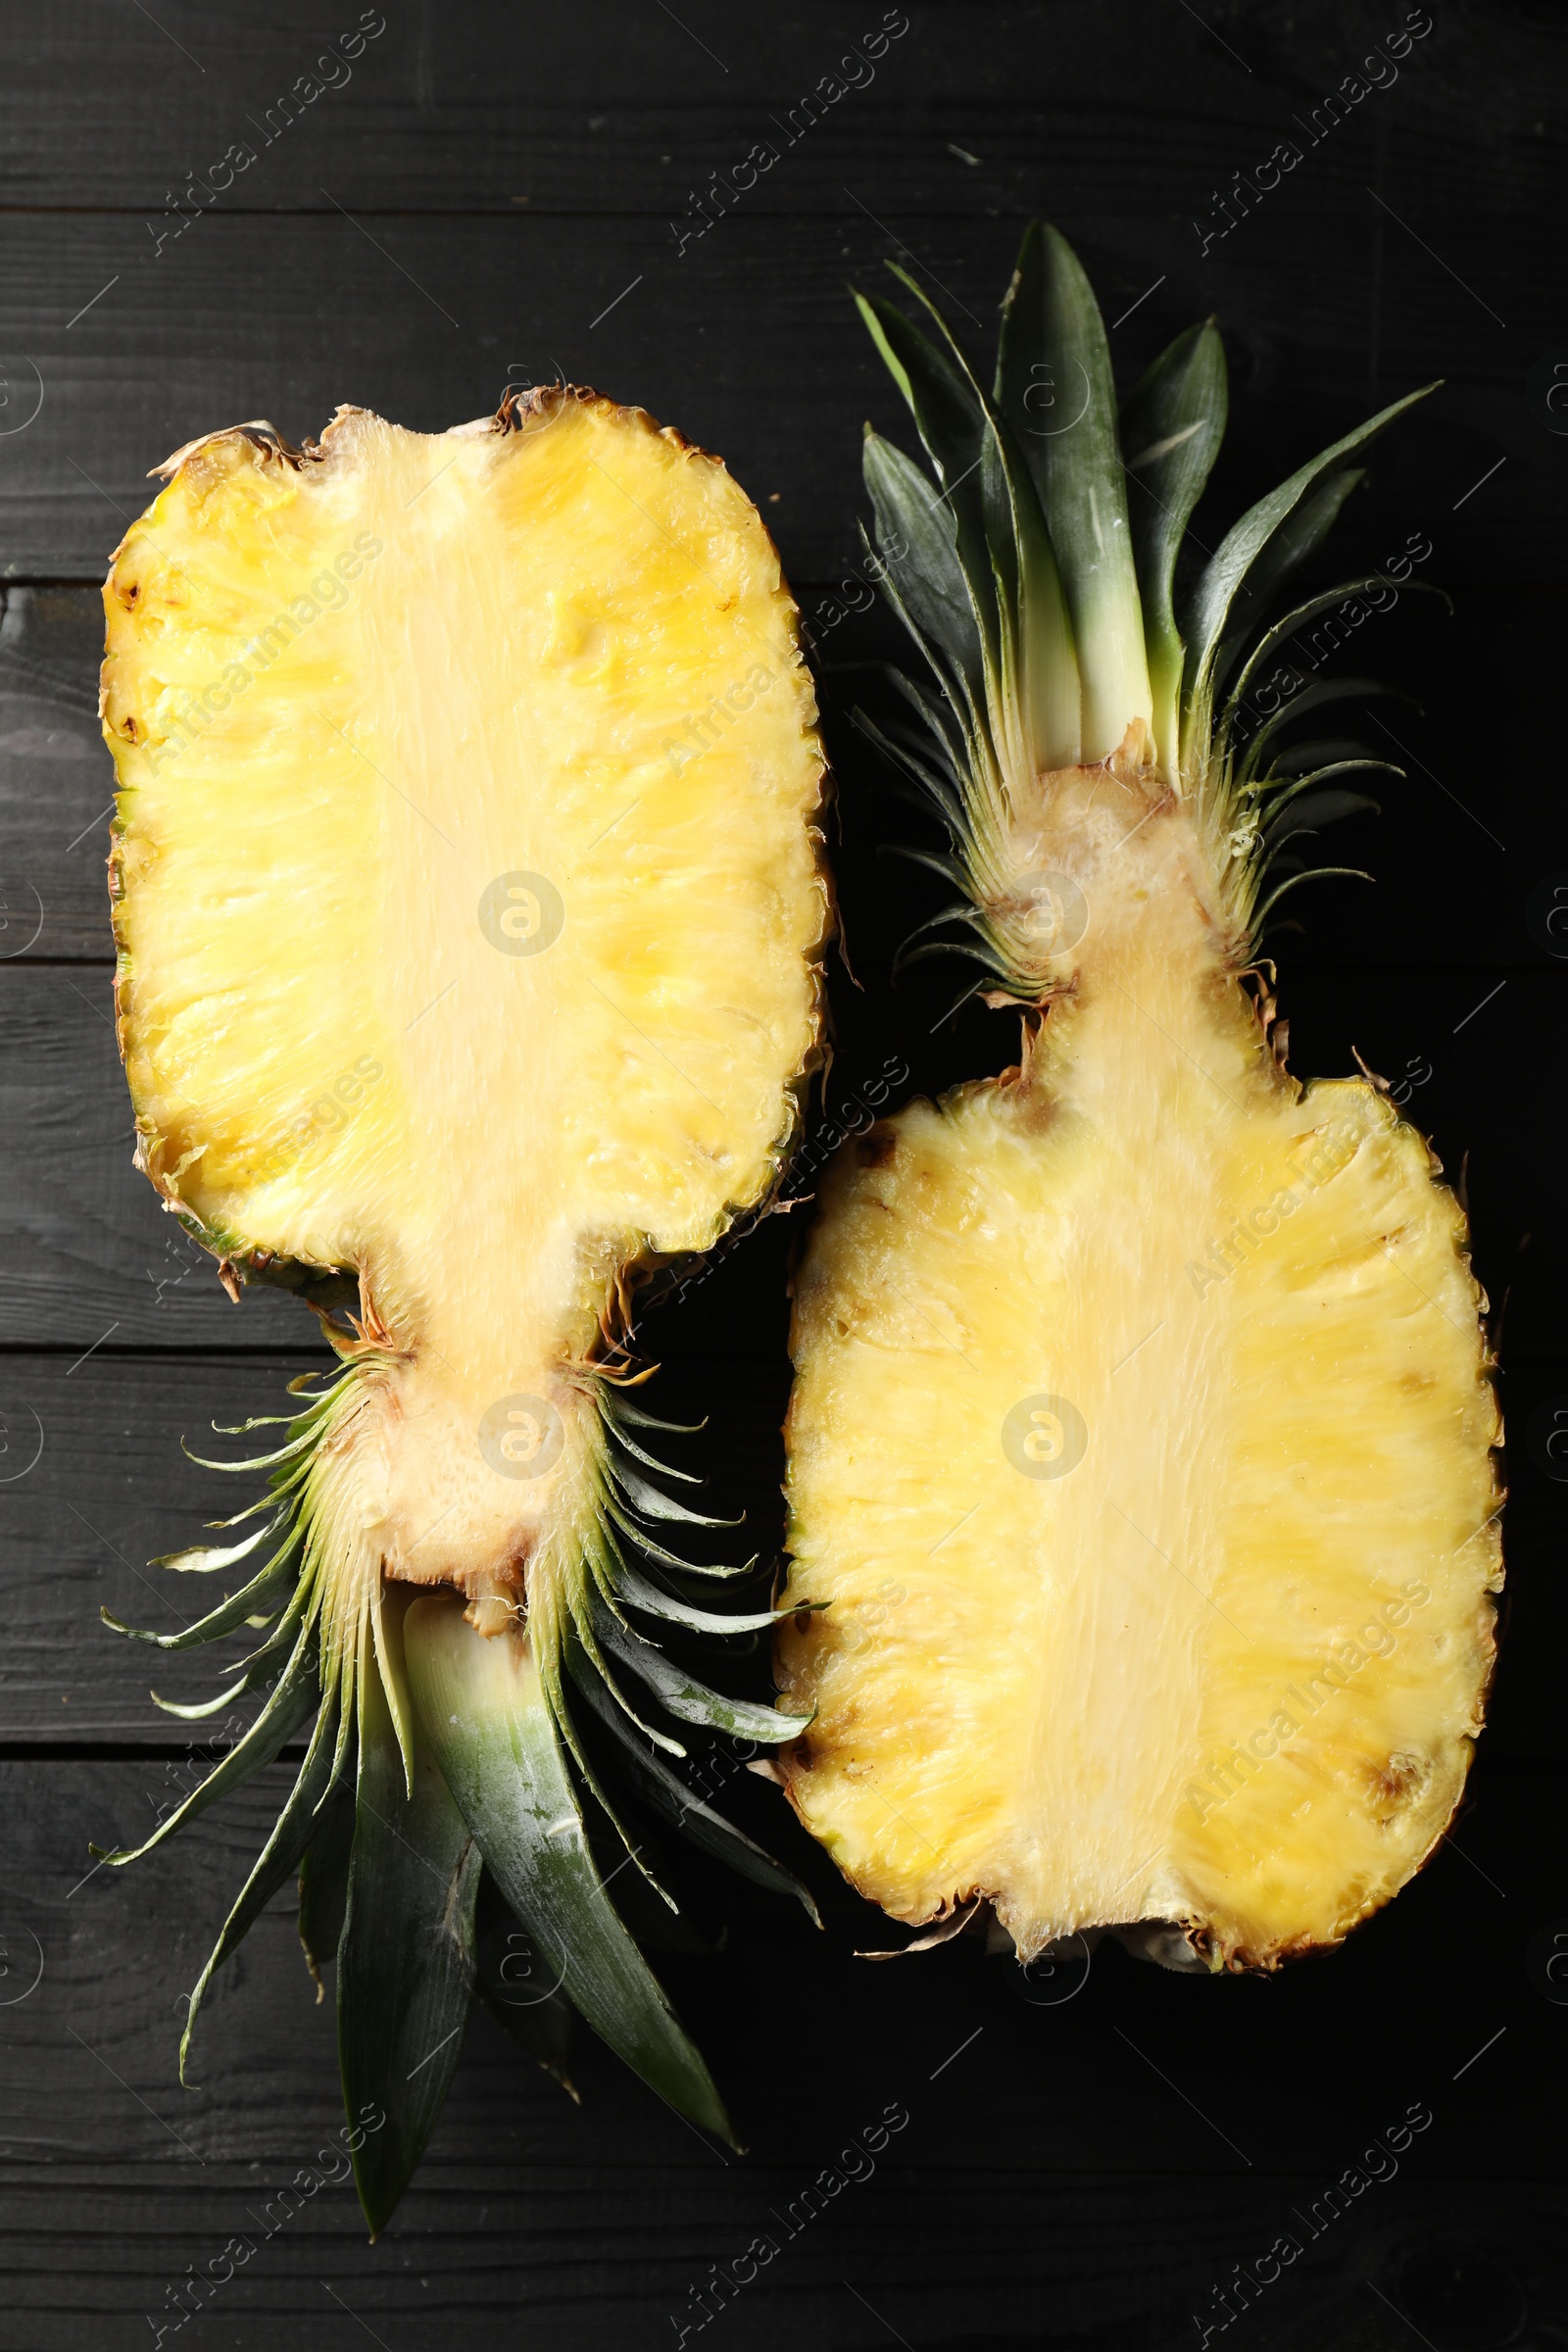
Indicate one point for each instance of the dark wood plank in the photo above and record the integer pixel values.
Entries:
(96, 1486)
(1441, 973)
(751, 345)
(597, 2261)
(1049, 2150)
(1456, 812)
(55, 777)
(86, 1256)
(89, 1254)
(116, 1946)
(1431, 975)
(627, 108)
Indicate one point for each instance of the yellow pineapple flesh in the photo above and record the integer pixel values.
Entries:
(1141, 1414)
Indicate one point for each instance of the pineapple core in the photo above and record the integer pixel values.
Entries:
(466, 905)
(1139, 1449)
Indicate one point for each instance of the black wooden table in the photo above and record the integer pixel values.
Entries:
(438, 202)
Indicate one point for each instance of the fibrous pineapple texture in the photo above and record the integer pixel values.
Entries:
(469, 906)
(1139, 1443)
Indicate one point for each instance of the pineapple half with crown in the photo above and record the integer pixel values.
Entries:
(1140, 1447)
(469, 903)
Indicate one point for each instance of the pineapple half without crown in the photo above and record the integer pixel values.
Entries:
(1141, 1442)
(470, 908)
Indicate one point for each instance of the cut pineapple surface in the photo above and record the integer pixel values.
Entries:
(1139, 1449)
(469, 903)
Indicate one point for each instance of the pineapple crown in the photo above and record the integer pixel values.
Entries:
(397, 1716)
(1038, 580)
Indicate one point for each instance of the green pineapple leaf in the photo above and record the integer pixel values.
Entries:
(203, 1558)
(640, 1592)
(1237, 553)
(251, 1600)
(1313, 811)
(1055, 389)
(483, 1708)
(292, 1702)
(670, 1795)
(917, 543)
(1171, 429)
(950, 417)
(1252, 759)
(514, 1991)
(689, 1700)
(1289, 624)
(405, 1960)
(1297, 538)
(295, 1826)
(325, 1878)
(1298, 757)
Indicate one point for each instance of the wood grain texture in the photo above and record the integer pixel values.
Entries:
(477, 110)
(119, 349)
(511, 2252)
(499, 195)
(427, 320)
(1414, 975)
(98, 1486)
(1258, 2056)
(56, 779)
(83, 1223)
(604, 2215)
(1445, 813)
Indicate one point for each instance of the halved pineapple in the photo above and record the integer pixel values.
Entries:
(468, 905)
(1141, 1435)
